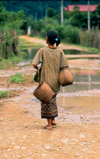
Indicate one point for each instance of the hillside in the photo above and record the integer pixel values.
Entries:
(39, 7)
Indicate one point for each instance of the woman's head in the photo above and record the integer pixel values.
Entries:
(52, 38)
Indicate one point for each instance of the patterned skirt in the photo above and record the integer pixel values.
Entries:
(49, 110)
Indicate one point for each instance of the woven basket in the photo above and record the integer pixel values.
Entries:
(65, 77)
(44, 93)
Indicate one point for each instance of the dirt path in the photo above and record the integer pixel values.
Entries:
(41, 41)
(22, 133)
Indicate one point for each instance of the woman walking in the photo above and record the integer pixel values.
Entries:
(55, 60)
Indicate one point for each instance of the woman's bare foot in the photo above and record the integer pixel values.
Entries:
(53, 122)
(48, 127)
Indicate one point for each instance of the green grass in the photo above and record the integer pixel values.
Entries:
(28, 44)
(4, 94)
(23, 54)
(8, 63)
(21, 40)
(32, 78)
(17, 78)
(0, 104)
(90, 49)
(23, 43)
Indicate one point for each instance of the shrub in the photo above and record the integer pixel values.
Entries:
(69, 34)
(72, 35)
(90, 38)
(60, 31)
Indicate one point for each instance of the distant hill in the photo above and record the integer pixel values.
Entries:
(39, 7)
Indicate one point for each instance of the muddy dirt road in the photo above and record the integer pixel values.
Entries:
(22, 133)
(41, 41)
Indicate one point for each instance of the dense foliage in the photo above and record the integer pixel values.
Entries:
(43, 16)
(39, 6)
(10, 24)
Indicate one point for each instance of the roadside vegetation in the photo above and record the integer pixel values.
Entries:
(17, 78)
(74, 31)
(7, 94)
(32, 78)
(24, 44)
(8, 63)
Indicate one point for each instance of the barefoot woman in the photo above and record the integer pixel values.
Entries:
(55, 59)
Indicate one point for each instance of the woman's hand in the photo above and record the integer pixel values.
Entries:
(35, 66)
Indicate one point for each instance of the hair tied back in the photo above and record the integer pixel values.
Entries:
(56, 39)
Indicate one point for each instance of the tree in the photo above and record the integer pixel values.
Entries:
(96, 17)
(76, 17)
(10, 24)
(50, 12)
(15, 20)
(3, 14)
(75, 1)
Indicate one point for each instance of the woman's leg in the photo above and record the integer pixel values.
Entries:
(49, 126)
(53, 121)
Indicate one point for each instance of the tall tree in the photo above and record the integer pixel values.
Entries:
(50, 12)
(96, 17)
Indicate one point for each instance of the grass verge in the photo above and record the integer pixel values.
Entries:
(8, 63)
(23, 43)
(4, 94)
(17, 78)
(90, 49)
(32, 78)
(0, 104)
(28, 44)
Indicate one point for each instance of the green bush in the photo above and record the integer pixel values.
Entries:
(17, 78)
(60, 30)
(68, 34)
(72, 35)
(90, 38)
(46, 29)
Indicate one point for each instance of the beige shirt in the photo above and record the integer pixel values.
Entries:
(54, 60)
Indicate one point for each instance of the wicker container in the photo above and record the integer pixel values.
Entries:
(44, 93)
(65, 77)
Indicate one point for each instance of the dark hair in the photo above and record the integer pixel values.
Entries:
(53, 37)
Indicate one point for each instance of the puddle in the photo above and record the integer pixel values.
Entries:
(76, 52)
(83, 94)
(79, 103)
(83, 80)
(31, 52)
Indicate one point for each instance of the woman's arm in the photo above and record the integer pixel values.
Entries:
(37, 59)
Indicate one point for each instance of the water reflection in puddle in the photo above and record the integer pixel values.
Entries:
(31, 52)
(73, 96)
(79, 103)
(84, 80)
